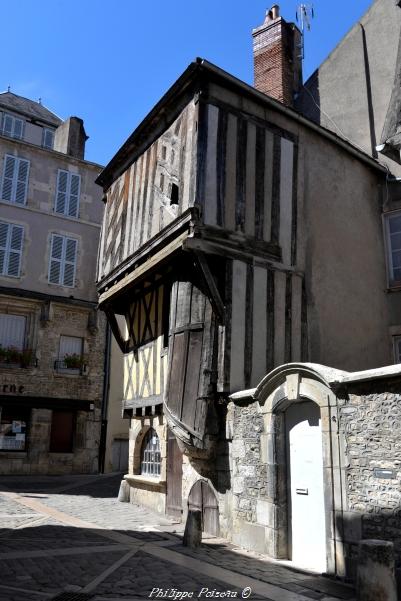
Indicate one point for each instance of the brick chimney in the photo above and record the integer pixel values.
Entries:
(277, 57)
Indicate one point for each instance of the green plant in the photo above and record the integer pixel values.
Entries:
(73, 361)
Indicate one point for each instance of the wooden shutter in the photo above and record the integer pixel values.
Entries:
(63, 258)
(16, 239)
(73, 201)
(3, 246)
(62, 431)
(21, 184)
(18, 128)
(15, 179)
(11, 242)
(70, 345)
(56, 259)
(70, 258)
(48, 138)
(190, 357)
(10, 164)
(61, 192)
(12, 331)
(7, 125)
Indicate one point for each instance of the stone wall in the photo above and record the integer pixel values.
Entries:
(32, 386)
(371, 423)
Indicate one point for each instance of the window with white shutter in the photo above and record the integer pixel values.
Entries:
(11, 243)
(12, 126)
(63, 259)
(67, 193)
(15, 179)
(12, 331)
(393, 225)
(48, 138)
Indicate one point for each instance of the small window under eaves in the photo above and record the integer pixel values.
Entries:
(174, 195)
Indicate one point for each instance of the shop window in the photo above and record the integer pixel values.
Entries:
(13, 428)
(62, 432)
(150, 454)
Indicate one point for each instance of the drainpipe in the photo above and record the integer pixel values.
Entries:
(105, 401)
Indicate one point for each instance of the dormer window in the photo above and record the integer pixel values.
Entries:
(12, 126)
(48, 138)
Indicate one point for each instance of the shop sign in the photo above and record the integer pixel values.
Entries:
(11, 389)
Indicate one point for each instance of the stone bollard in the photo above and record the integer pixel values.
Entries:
(123, 493)
(375, 576)
(193, 529)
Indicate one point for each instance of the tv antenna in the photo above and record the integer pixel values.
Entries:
(305, 13)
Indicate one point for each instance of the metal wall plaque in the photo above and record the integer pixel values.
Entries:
(385, 474)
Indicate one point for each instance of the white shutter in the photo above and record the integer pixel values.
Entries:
(7, 125)
(16, 236)
(63, 258)
(73, 203)
(22, 181)
(12, 331)
(61, 192)
(10, 164)
(70, 262)
(394, 233)
(70, 345)
(48, 138)
(3, 246)
(11, 243)
(56, 259)
(15, 179)
(18, 128)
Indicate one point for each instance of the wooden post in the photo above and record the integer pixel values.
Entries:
(376, 577)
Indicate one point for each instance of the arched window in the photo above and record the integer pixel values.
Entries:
(150, 454)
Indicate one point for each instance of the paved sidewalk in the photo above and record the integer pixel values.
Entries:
(68, 538)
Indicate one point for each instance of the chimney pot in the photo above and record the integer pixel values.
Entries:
(275, 11)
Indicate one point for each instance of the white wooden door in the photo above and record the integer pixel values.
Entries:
(307, 531)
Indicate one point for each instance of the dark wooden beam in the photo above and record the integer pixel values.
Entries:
(214, 297)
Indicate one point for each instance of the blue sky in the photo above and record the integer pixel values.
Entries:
(110, 61)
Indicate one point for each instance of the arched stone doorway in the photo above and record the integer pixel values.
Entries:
(202, 498)
(283, 396)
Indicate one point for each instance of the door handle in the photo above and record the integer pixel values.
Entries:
(302, 491)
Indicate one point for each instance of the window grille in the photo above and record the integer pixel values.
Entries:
(150, 455)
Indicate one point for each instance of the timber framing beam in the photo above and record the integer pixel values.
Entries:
(214, 296)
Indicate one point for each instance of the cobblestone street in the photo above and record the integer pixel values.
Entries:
(70, 539)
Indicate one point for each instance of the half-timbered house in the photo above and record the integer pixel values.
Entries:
(237, 236)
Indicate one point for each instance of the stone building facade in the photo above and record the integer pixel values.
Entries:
(52, 339)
